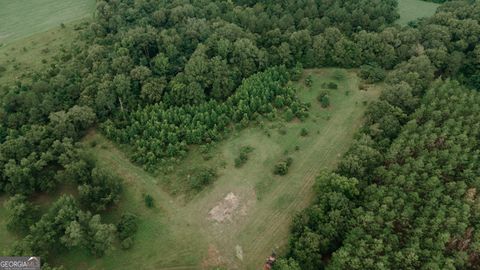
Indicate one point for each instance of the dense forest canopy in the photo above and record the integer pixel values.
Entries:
(158, 76)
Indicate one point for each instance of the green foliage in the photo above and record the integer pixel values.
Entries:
(309, 80)
(126, 229)
(149, 201)
(21, 214)
(286, 264)
(243, 156)
(372, 73)
(177, 127)
(101, 191)
(304, 132)
(163, 75)
(65, 225)
(281, 168)
(201, 178)
(324, 99)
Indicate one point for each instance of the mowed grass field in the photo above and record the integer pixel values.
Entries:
(180, 234)
(414, 9)
(22, 18)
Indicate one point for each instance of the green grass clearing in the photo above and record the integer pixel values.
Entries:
(411, 10)
(22, 57)
(180, 234)
(22, 18)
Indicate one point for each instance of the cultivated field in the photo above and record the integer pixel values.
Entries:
(22, 18)
(253, 207)
(414, 9)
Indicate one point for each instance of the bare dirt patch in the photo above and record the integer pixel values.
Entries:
(225, 210)
(214, 258)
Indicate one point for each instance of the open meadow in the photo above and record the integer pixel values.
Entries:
(23, 18)
(411, 10)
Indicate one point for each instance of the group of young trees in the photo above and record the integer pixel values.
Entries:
(158, 131)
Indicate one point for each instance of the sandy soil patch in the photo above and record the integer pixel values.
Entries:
(213, 259)
(225, 210)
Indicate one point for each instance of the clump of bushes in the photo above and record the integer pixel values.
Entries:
(2, 69)
(330, 85)
(304, 132)
(201, 178)
(309, 81)
(243, 156)
(126, 228)
(281, 168)
(372, 73)
(324, 99)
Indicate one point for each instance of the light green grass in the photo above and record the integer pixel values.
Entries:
(178, 234)
(22, 18)
(411, 10)
(33, 53)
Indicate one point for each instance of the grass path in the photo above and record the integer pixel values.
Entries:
(178, 236)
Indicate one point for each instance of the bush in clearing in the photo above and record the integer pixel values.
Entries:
(324, 99)
(243, 156)
(149, 201)
(126, 228)
(309, 81)
(281, 168)
(304, 132)
(202, 178)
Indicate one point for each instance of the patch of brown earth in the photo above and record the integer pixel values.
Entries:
(225, 210)
(214, 258)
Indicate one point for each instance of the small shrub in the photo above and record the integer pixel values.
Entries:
(282, 131)
(297, 148)
(149, 201)
(324, 99)
(332, 86)
(309, 81)
(243, 156)
(304, 132)
(202, 178)
(281, 168)
(93, 144)
(289, 115)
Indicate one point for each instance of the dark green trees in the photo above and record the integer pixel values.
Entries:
(101, 191)
(22, 213)
(126, 228)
